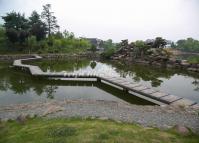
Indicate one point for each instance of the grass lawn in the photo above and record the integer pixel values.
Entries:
(78, 130)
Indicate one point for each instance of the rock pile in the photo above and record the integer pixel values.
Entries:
(125, 52)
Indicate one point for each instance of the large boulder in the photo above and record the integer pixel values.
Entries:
(21, 119)
(182, 130)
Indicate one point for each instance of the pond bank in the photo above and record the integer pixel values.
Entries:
(162, 117)
(171, 63)
(47, 56)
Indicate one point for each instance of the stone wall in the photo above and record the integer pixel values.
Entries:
(47, 56)
(14, 57)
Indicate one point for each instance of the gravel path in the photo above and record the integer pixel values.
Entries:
(153, 116)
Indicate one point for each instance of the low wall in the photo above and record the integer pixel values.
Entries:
(14, 57)
(47, 56)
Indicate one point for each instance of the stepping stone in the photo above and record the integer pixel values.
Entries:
(149, 91)
(158, 94)
(140, 88)
(183, 102)
(133, 85)
(108, 78)
(123, 82)
(128, 83)
(170, 98)
(117, 79)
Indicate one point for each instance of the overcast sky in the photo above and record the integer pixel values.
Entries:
(118, 19)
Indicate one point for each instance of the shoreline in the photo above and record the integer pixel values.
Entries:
(162, 117)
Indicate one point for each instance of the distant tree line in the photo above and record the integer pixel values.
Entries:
(37, 33)
(188, 45)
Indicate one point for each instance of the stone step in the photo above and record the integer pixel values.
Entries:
(184, 102)
(158, 94)
(149, 91)
(170, 98)
(140, 88)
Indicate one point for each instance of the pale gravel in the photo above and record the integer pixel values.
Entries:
(162, 117)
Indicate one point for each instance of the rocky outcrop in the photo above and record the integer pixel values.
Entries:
(183, 64)
(155, 56)
(125, 52)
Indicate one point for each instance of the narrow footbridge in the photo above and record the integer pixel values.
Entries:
(123, 83)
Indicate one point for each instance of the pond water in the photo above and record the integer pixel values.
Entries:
(17, 87)
(173, 81)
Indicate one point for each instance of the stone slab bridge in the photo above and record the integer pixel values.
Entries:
(123, 83)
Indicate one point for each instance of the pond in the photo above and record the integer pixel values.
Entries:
(18, 87)
(173, 81)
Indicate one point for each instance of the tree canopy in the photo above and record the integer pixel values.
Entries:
(38, 33)
(37, 26)
(50, 19)
(189, 45)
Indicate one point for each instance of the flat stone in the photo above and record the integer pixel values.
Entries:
(140, 88)
(183, 102)
(52, 109)
(149, 91)
(118, 79)
(35, 70)
(133, 85)
(158, 94)
(170, 98)
(129, 84)
(181, 130)
(109, 78)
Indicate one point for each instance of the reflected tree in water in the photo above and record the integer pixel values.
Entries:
(196, 84)
(50, 90)
(20, 83)
(93, 64)
(59, 65)
(144, 72)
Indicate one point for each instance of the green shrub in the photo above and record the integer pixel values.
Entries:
(194, 60)
(108, 53)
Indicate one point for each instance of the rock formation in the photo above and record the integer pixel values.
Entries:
(125, 52)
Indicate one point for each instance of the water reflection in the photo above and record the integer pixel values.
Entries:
(196, 84)
(93, 64)
(173, 81)
(62, 65)
(18, 87)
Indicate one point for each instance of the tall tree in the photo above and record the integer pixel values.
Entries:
(16, 27)
(50, 19)
(37, 27)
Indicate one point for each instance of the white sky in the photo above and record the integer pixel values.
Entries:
(119, 19)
